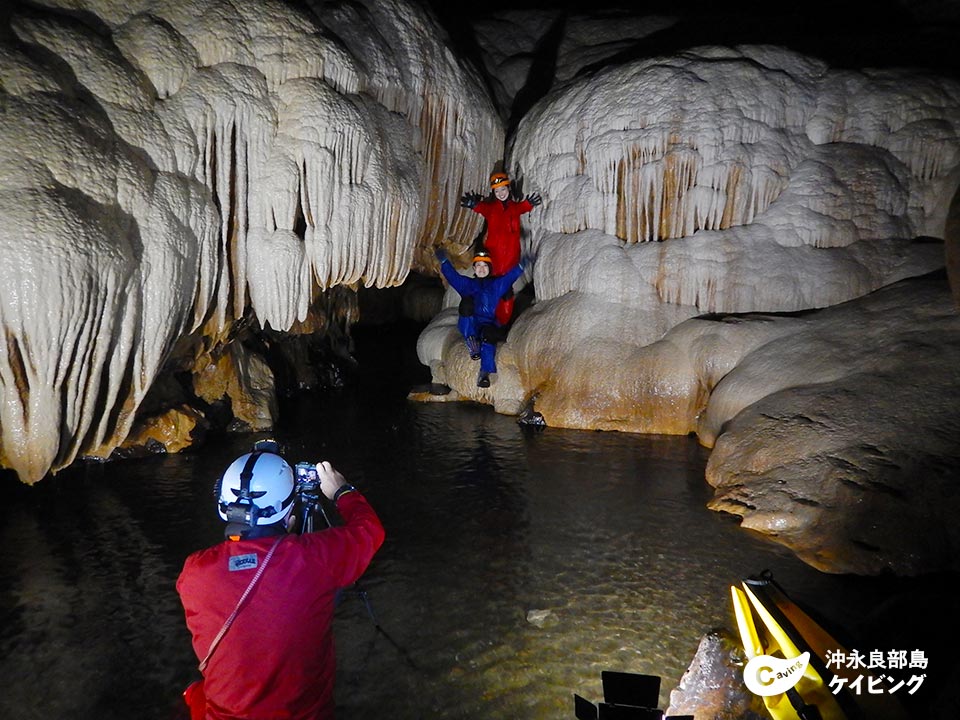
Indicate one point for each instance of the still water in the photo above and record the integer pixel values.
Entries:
(518, 564)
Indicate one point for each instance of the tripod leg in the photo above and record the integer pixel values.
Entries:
(366, 602)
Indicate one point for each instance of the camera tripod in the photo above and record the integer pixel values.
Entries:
(310, 506)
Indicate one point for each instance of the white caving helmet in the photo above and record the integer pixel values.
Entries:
(257, 489)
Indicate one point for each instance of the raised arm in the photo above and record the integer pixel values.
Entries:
(460, 283)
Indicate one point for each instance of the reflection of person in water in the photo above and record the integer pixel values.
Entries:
(480, 295)
(502, 214)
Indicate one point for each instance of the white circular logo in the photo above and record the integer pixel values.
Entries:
(766, 675)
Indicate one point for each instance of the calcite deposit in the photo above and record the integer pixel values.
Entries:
(171, 167)
(701, 214)
(740, 242)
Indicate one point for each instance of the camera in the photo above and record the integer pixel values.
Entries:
(308, 479)
(307, 488)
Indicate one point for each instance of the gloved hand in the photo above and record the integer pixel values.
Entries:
(534, 199)
(439, 252)
(470, 200)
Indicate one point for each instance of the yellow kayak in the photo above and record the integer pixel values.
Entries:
(778, 633)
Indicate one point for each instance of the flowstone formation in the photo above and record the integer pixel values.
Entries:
(838, 437)
(681, 193)
(719, 181)
(172, 167)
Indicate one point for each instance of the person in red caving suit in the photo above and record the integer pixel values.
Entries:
(502, 241)
(260, 604)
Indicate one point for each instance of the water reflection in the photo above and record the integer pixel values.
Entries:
(518, 565)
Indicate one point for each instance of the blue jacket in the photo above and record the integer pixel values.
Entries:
(486, 292)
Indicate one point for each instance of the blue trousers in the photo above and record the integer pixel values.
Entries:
(472, 329)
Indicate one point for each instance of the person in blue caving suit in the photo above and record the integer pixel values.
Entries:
(480, 294)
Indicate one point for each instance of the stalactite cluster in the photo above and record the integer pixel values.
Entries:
(728, 156)
(184, 164)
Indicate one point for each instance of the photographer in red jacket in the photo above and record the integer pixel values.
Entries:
(260, 604)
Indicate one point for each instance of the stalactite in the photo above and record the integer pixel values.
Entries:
(731, 171)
